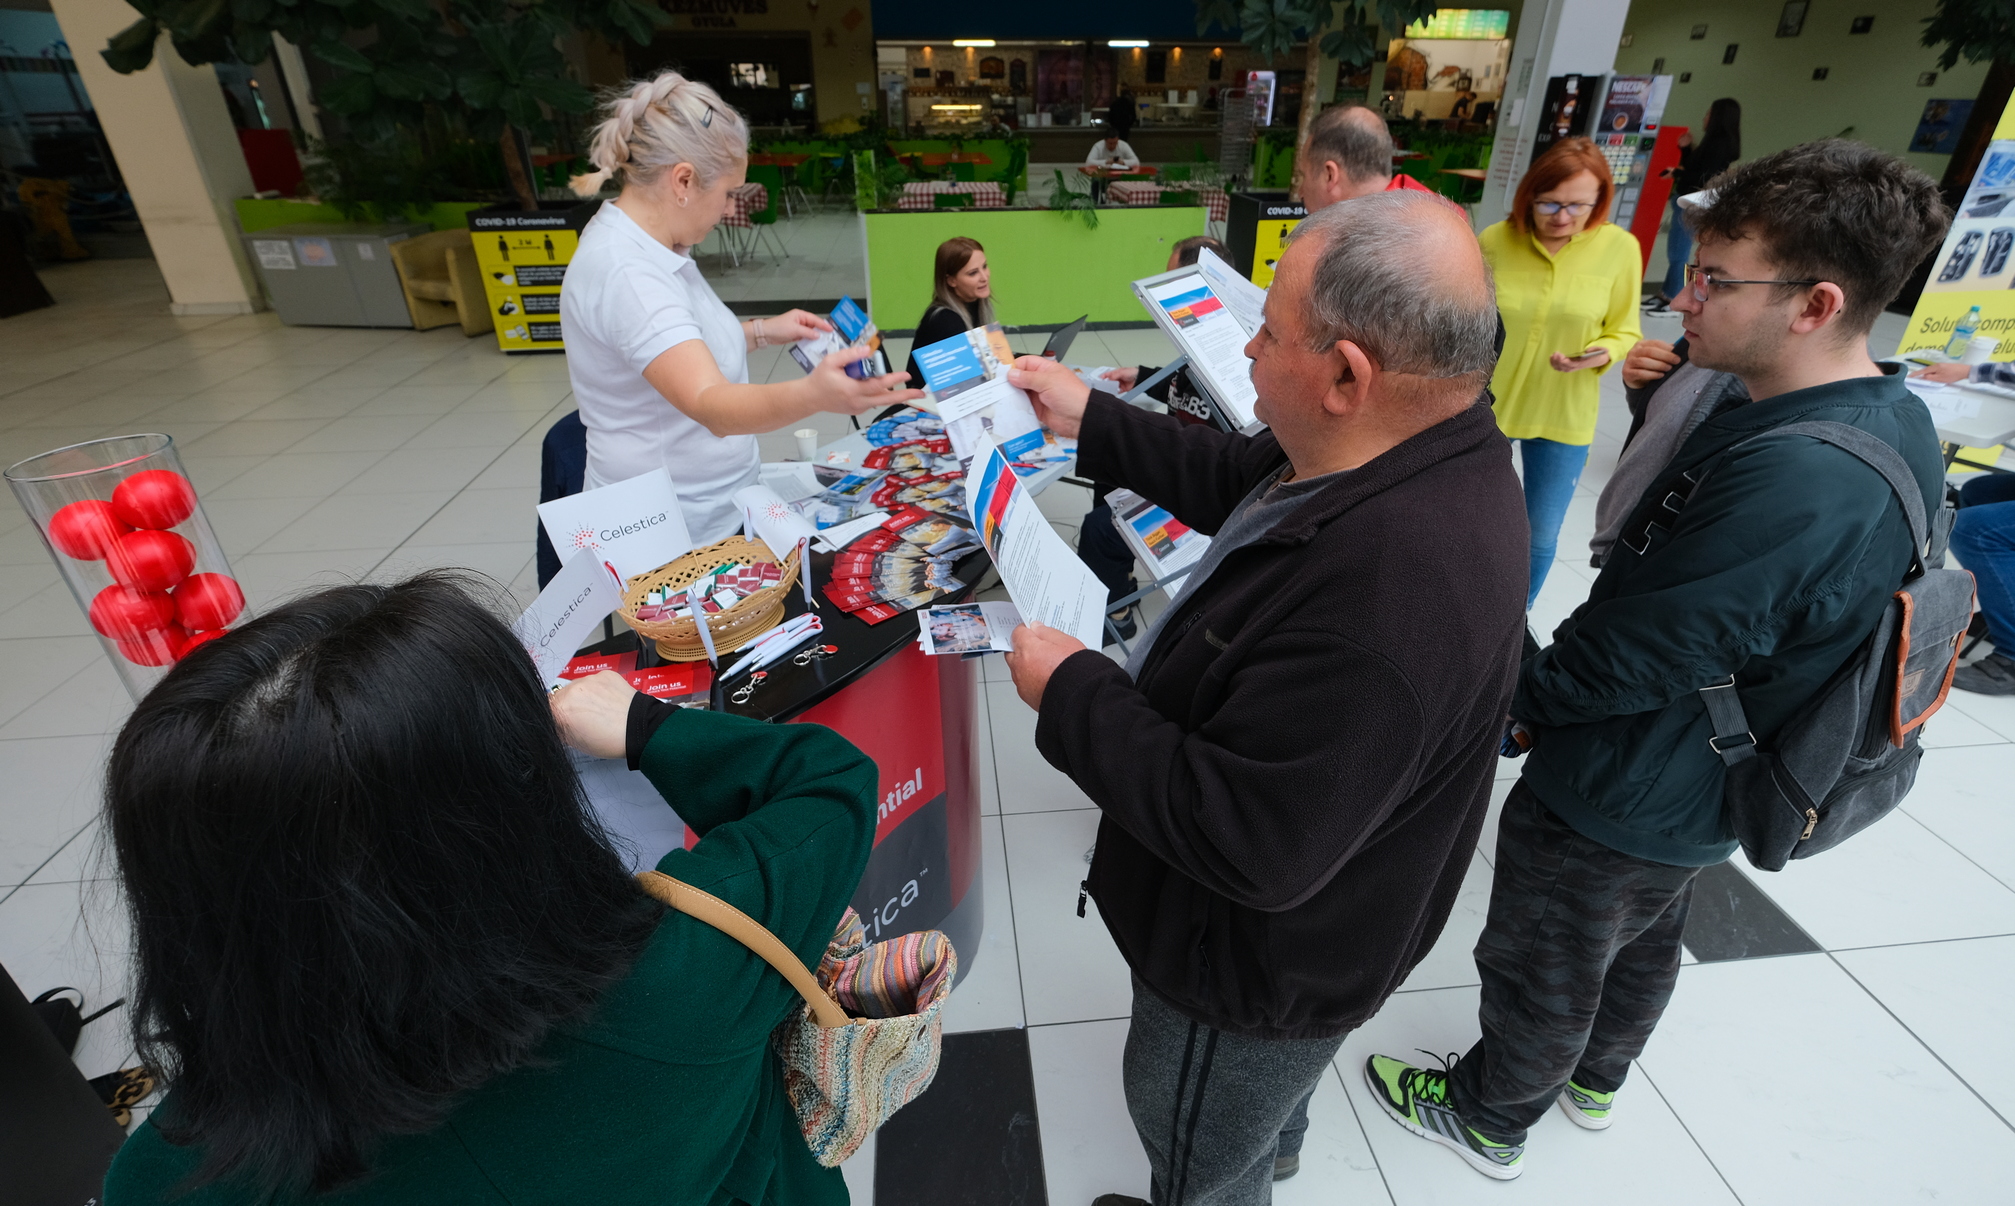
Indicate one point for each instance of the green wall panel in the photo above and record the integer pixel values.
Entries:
(1047, 268)
(256, 213)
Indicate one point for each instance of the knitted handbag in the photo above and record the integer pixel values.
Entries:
(846, 1075)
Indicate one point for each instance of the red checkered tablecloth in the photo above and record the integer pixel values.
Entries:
(986, 194)
(1147, 192)
(751, 198)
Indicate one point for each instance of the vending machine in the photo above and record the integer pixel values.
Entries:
(1631, 138)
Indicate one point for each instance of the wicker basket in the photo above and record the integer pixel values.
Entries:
(679, 640)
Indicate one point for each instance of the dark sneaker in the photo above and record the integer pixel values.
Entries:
(1586, 1107)
(1117, 1199)
(1659, 308)
(1991, 675)
(1123, 622)
(1286, 1166)
(1417, 1099)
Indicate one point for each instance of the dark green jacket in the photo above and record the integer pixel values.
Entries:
(669, 1095)
(1775, 571)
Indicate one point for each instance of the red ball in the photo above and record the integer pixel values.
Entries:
(154, 498)
(125, 614)
(199, 638)
(149, 560)
(86, 529)
(207, 601)
(156, 648)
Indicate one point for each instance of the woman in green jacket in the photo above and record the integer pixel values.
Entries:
(386, 954)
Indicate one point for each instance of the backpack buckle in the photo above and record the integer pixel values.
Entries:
(1736, 744)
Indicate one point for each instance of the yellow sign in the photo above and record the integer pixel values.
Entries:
(1269, 240)
(524, 257)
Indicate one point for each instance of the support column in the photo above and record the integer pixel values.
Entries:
(179, 155)
(1554, 37)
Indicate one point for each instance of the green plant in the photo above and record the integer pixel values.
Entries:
(490, 69)
(1068, 202)
(373, 181)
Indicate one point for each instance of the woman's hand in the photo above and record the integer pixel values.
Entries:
(1059, 396)
(789, 327)
(1592, 358)
(594, 714)
(1122, 377)
(1647, 361)
(1945, 374)
(833, 390)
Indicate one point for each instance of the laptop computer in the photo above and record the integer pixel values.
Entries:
(1059, 342)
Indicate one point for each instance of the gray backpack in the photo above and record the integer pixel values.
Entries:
(1850, 755)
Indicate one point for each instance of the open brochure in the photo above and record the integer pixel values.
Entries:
(968, 628)
(1205, 311)
(1047, 582)
(1166, 545)
(966, 377)
(850, 328)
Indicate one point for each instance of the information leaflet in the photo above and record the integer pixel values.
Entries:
(966, 377)
(851, 328)
(1193, 314)
(1165, 544)
(1047, 582)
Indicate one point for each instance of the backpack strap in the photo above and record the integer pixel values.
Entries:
(1732, 739)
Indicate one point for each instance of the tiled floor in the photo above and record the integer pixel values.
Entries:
(1876, 1069)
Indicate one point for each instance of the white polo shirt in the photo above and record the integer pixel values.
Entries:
(1121, 155)
(626, 300)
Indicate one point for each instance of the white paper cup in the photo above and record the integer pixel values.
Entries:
(1979, 350)
(808, 437)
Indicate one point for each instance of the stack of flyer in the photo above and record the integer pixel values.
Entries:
(899, 565)
(909, 463)
(851, 328)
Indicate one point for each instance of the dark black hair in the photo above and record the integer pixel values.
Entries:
(1188, 250)
(1832, 210)
(1723, 128)
(363, 878)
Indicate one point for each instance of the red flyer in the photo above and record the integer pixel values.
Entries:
(594, 663)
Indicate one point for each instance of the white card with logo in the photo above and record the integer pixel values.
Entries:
(635, 526)
(558, 622)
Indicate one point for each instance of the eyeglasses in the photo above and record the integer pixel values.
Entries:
(1577, 208)
(1697, 282)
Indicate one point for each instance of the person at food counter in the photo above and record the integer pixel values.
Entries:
(658, 363)
(1294, 765)
(385, 948)
(962, 296)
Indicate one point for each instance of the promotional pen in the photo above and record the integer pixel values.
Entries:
(777, 642)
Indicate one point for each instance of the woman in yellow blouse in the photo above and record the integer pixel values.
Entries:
(1567, 284)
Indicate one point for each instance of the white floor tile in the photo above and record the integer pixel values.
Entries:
(1337, 1164)
(990, 995)
(74, 934)
(1997, 712)
(1088, 1142)
(485, 517)
(1898, 882)
(1452, 961)
(52, 792)
(36, 667)
(1954, 997)
(1071, 971)
(357, 521)
(94, 700)
(1027, 782)
(1802, 1089)
(1645, 1158)
(1962, 796)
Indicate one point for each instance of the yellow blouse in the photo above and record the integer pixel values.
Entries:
(1585, 297)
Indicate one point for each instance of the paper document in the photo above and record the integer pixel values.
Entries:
(1166, 545)
(1048, 583)
(792, 480)
(967, 379)
(843, 534)
(573, 605)
(635, 525)
(1945, 401)
(850, 328)
(968, 628)
(1186, 307)
(1245, 300)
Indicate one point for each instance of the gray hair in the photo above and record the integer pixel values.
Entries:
(1369, 287)
(661, 122)
(1354, 138)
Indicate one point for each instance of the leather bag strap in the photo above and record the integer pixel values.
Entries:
(729, 920)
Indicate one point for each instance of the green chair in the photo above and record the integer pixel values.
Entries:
(964, 173)
(772, 180)
(1017, 164)
(1176, 171)
(1182, 198)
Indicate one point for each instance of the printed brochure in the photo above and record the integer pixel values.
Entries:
(1048, 583)
(851, 328)
(1166, 545)
(968, 628)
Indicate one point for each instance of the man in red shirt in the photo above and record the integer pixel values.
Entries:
(1349, 154)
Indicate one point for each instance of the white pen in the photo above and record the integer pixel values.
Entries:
(778, 640)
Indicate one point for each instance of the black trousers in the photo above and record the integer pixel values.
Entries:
(1578, 959)
(1099, 546)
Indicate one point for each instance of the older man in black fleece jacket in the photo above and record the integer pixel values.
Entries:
(1295, 767)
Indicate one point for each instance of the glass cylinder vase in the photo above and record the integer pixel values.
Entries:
(129, 536)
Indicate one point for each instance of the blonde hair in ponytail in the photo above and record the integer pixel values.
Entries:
(658, 123)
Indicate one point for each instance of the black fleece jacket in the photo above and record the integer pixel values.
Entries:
(1292, 789)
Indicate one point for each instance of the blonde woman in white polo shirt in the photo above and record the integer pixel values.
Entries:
(658, 363)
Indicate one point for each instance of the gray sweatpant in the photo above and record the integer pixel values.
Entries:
(1212, 1109)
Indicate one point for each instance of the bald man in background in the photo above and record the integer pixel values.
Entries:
(1294, 765)
(1349, 154)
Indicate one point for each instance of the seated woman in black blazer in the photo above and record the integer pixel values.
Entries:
(961, 297)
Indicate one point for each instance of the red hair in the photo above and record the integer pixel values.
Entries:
(1563, 161)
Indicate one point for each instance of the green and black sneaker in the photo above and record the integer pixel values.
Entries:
(1586, 1107)
(1417, 1099)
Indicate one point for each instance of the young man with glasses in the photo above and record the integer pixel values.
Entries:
(1772, 571)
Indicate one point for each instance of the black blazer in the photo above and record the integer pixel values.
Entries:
(1292, 790)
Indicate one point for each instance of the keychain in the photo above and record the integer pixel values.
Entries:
(813, 653)
(748, 689)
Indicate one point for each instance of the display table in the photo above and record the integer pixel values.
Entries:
(917, 717)
(923, 194)
(1147, 192)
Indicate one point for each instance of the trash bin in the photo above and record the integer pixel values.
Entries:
(333, 274)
